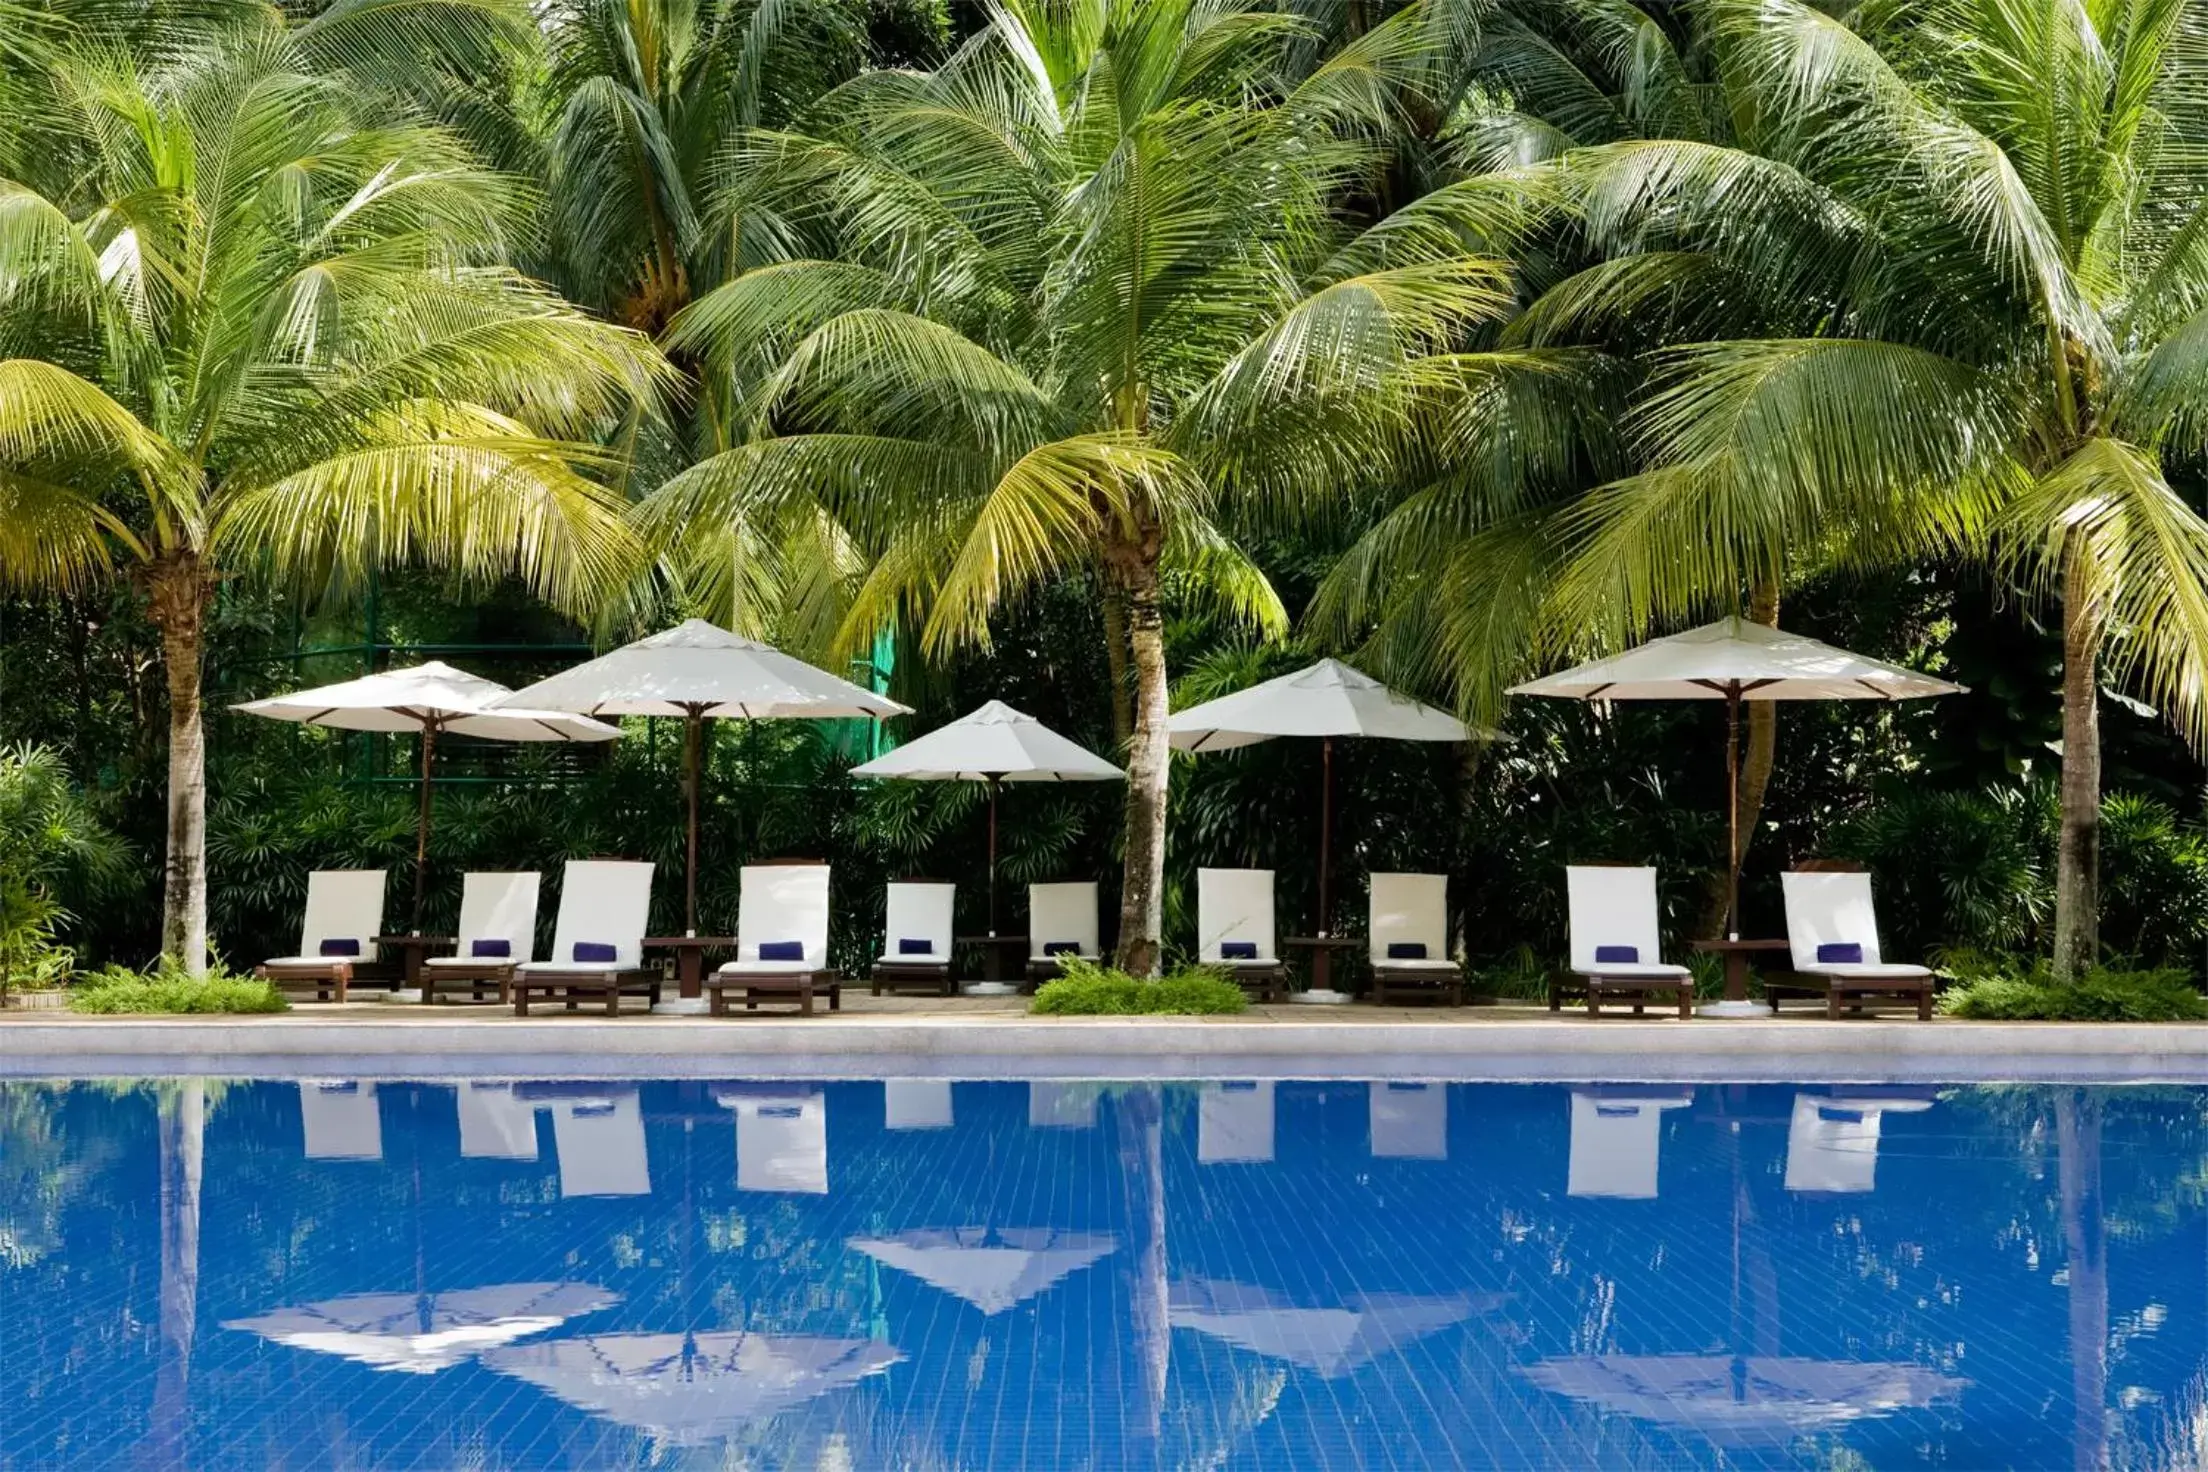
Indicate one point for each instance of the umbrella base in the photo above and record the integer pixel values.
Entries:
(680, 1007)
(1320, 997)
(1732, 1009)
(989, 989)
(403, 994)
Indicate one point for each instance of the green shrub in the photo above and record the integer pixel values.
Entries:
(2101, 995)
(1090, 990)
(170, 989)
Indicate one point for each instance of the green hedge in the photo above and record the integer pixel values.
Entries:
(2100, 995)
(118, 989)
(1089, 990)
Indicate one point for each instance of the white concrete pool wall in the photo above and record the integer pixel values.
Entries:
(409, 1045)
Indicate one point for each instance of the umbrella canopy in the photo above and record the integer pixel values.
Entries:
(700, 669)
(428, 699)
(1730, 1398)
(422, 1333)
(1735, 657)
(1733, 660)
(701, 672)
(433, 694)
(1327, 700)
(1332, 1341)
(994, 744)
(690, 1389)
(992, 1270)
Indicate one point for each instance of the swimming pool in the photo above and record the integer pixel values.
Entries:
(921, 1274)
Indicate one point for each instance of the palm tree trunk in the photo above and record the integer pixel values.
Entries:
(181, 588)
(1757, 761)
(1115, 656)
(1142, 882)
(183, 1126)
(2085, 1246)
(2078, 849)
(1142, 1169)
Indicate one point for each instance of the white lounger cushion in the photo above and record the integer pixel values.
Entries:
(1835, 909)
(781, 902)
(1234, 1122)
(1408, 1121)
(494, 1125)
(340, 1119)
(1832, 1141)
(1060, 912)
(1615, 907)
(600, 1143)
(1411, 908)
(342, 904)
(608, 901)
(919, 911)
(916, 1103)
(496, 907)
(1235, 905)
(1615, 1140)
(781, 1141)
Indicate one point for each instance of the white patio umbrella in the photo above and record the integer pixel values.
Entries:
(690, 1389)
(1734, 660)
(1744, 1398)
(993, 1270)
(701, 672)
(1328, 700)
(1333, 1341)
(421, 1333)
(995, 744)
(428, 699)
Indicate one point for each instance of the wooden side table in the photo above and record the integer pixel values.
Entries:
(1322, 949)
(689, 957)
(994, 950)
(413, 951)
(1736, 954)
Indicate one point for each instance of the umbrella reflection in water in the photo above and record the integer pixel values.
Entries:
(1740, 1398)
(690, 1389)
(421, 1333)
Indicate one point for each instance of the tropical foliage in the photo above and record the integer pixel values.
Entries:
(49, 839)
(1094, 354)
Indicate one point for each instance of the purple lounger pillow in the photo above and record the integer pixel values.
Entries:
(906, 946)
(1061, 948)
(1406, 950)
(500, 949)
(1841, 953)
(1238, 950)
(347, 946)
(1625, 954)
(781, 950)
(595, 950)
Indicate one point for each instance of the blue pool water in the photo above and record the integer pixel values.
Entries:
(923, 1275)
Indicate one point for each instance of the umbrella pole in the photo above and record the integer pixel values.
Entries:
(421, 822)
(1326, 826)
(693, 735)
(993, 784)
(1732, 811)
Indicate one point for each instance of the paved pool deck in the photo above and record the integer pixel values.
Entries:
(995, 1038)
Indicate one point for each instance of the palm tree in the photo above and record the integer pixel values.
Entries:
(251, 323)
(644, 99)
(1053, 308)
(1931, 281)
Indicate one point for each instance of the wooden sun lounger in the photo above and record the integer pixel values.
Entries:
(799, 986)
(930, 976)
(573, 987)
(1426, 982)
(330, 979)
(1853, 993)
(1639, 991)
(472, 977)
